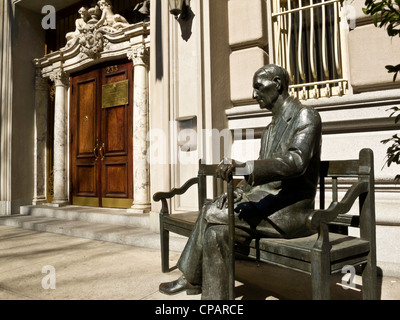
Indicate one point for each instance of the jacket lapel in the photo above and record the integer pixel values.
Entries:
(281, 125)
(277, 135)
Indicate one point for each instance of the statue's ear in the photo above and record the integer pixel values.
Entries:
(278, 82)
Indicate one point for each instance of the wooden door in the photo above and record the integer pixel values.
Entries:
(116, 142)
(101, 139)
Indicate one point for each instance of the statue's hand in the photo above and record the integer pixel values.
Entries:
(227, 166)
(222, 202)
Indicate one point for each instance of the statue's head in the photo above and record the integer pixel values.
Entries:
(269, 83)
(104, 3)
(84, 12)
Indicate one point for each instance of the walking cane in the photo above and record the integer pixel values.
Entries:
(231, 226)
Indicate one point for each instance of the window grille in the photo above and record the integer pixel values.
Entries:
(308, 41)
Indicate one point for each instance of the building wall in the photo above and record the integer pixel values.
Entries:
(190, 89)
(27, 34)
(354, 121)
(17, 161)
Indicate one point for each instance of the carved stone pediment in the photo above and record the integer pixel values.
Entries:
(92, 26)
(96, 45)
(91, 42)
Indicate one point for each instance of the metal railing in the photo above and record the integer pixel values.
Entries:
(308, 41)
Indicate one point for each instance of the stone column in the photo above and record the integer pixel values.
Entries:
(6, 98)
(60, 79)
(40, 136)
(141, 178)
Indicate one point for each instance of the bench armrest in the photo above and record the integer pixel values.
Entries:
(175, 191)
(163, 196)
(325, 216)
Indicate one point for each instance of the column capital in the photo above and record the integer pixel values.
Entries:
(60, 78)
(139, 54)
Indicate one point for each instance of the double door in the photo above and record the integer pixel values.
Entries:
(101, 120)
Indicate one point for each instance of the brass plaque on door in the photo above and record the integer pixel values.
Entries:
(115, 94)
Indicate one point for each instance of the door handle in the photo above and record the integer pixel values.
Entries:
(95, 152)
(101, 150)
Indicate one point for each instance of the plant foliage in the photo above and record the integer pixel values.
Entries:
(386, 14)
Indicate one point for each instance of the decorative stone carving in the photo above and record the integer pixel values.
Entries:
(91, 41)
(60, 78)
(139, 55)
(80, 24)
(91, 27)
(108, 18)
(95, 13)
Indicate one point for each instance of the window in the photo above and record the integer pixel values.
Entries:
(307, 40)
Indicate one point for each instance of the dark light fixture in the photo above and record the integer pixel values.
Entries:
(179, 8)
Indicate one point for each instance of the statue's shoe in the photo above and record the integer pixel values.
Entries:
(179, 285)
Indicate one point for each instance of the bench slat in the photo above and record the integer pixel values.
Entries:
(296, 253)
(340, 168)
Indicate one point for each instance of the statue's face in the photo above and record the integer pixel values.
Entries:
(265, 90)
(83, 12)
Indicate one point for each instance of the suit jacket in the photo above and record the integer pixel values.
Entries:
(284, 179)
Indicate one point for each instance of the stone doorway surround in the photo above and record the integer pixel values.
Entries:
(90, 48)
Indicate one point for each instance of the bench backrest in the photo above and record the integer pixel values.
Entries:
(339, 175)
(334, 176)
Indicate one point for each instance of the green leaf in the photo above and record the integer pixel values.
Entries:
(376, 20)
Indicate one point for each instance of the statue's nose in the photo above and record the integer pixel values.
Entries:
(255, 95)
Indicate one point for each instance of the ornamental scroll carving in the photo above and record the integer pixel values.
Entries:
(91, 27)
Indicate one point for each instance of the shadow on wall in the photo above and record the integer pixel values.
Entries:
(158, 40)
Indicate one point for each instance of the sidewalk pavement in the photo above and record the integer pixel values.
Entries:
(83, 269)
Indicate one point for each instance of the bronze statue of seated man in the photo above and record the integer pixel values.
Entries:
(273, 200)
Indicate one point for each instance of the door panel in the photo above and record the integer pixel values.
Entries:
(84, 133)
(115, 185)
(86, 178)
(86, 117)
(116, 128)
(101, 140)
(116, 124)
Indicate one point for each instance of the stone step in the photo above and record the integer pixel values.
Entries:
(90, 214)
(128, 234)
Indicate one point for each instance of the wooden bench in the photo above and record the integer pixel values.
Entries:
(319, 255)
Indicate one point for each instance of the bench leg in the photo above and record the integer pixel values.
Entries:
(369, 281)
(320, 275)
(164, 239)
